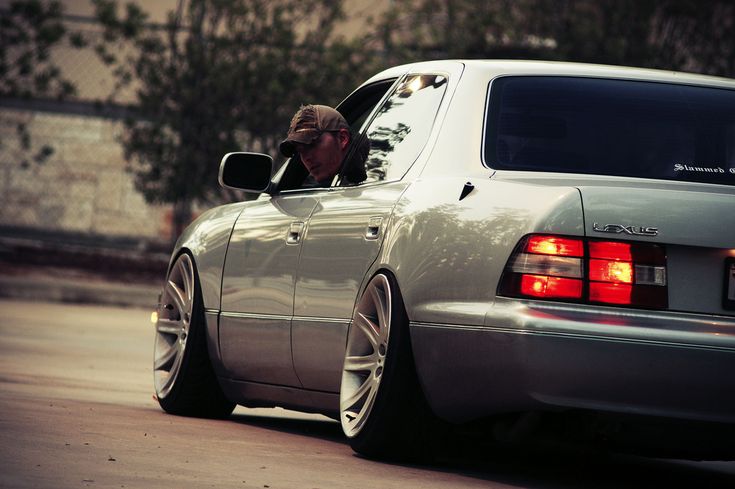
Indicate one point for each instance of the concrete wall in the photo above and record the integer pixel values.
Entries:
(83, 187)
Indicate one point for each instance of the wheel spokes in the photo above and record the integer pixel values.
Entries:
(187, 279)
(173, 324)
(370, 329)
(382, 310)
(351, 400)
(361, 363)
(367, 406)
(166, 360)
(179, 298)
(367, 346)
(356, 408)
(168, 326)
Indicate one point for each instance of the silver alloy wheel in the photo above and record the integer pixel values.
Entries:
(367, 346)
(172, 328)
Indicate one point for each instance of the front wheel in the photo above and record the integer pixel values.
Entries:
(382, 408)
(184, 380)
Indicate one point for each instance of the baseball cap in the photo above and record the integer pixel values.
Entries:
(308, 124)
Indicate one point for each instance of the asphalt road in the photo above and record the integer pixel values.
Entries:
(76, 410)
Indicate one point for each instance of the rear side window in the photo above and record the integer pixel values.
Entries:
(612, 127)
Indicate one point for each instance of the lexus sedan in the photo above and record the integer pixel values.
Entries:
(527, 242)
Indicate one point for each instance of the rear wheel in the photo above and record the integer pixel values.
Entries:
(184, 380)
(382, 409)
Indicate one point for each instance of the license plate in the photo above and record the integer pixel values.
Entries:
(728, 301)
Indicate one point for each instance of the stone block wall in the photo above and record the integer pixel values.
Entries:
(82, 187)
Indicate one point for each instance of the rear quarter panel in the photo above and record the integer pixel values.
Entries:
(448, 254)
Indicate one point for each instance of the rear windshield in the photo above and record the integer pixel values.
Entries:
(612, 127)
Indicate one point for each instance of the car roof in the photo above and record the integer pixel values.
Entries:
(494, 68)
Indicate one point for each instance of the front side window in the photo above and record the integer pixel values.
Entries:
(402, 126)
(611, 127)
(355, 109)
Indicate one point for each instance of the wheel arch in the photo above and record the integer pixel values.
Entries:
(206, 240)
(211, 314)
(386, 269)
(393, 276)
(184, 379)
(384, 413)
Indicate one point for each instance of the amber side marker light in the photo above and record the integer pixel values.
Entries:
(584, 270)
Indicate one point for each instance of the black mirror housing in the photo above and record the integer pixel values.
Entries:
(250, 172)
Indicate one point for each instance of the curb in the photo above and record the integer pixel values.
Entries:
(79, 291)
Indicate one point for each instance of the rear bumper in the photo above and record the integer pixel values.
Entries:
(541, 356)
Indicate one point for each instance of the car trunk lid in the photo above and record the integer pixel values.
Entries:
(696, 226)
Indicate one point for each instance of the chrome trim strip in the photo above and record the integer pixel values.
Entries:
(277, 317)
(279, 386)
(306, 319)
(249, 315)
(609, 339)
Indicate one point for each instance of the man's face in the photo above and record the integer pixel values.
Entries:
(323, 157)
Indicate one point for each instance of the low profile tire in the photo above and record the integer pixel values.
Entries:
(382, 408)
(184, 380)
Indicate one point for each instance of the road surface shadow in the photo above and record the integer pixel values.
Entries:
(317, 427)
(545, 465)
(553, 465)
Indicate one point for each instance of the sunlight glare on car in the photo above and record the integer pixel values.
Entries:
(415, 85)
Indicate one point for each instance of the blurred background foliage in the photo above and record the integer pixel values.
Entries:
(28, 31)
(218, 76)
(227, 75)
(682, 35)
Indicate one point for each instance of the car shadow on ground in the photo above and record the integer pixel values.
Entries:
(555, 465)
(547, 464)
(307, 425)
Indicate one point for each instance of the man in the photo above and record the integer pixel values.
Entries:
(321, 137)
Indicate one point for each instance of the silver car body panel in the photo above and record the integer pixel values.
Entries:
(684, 217)
(542, 355)
(448, 255)
(207, 239)
(258, 288)
(343, 238)
(464, 336)
(530, 356)
(476, 353)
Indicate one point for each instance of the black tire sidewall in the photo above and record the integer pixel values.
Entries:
(196, 391)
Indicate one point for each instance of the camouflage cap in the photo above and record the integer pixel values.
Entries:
(308, 124)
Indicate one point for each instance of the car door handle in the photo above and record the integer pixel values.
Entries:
(294, 232)
(373, 228)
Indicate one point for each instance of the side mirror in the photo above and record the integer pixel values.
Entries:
(250, 172)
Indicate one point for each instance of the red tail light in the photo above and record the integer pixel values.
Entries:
(553, 245)
(610, 293)
(580, 270)
(545, 286)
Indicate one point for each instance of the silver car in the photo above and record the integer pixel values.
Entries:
(528, 241)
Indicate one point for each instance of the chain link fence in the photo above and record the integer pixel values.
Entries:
(82, 188)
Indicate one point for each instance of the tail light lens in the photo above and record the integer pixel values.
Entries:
(582, 270)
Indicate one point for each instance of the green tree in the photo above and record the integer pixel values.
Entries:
(695, 36)
(219, 76)
(29, 30)
(668, 34)
(414, 30)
